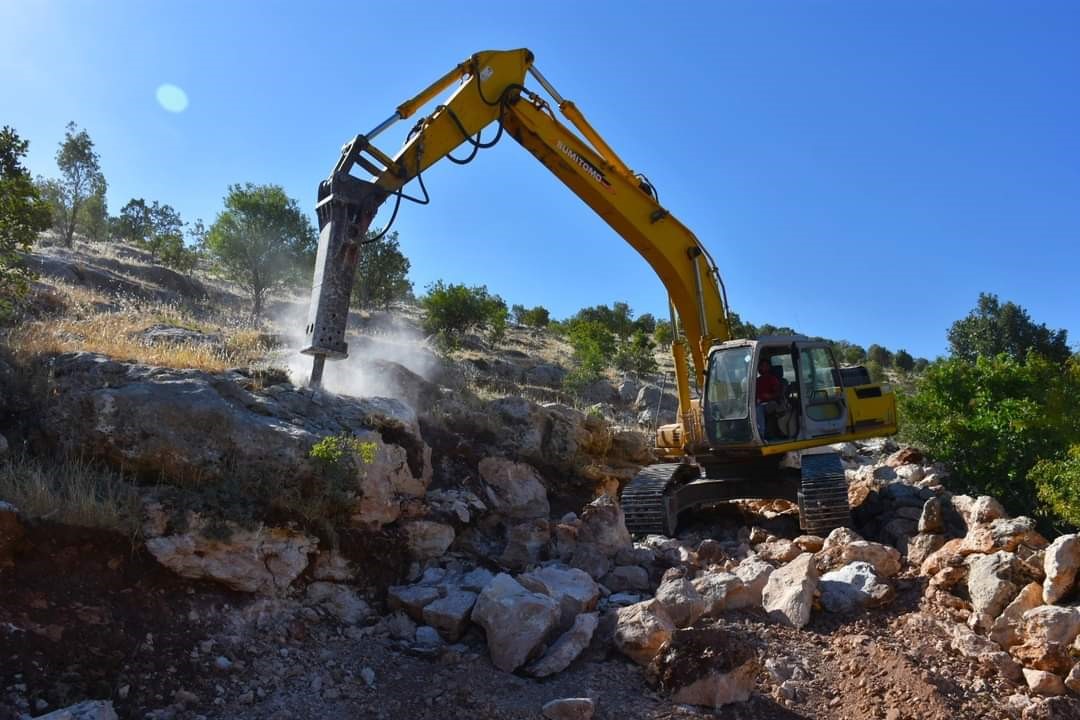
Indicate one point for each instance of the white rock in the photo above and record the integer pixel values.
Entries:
(569, 709)
(514, 489)
(515, 620)
(604, 526)
(886, 560)
(627, 577)
(341, 600)
(991, 583)
(839, 537)
(788, 596)
(724, 591)
(1005, 630)
(1051, 624)
(266, 560)
(1060, 563)
(1044, 683)
(567, 648)
(573, 590)
(754, 572)
(641, 629)
(412, 598)
(450, 614)
(332, 566)
(427, 539)
(852, 587)
(681, 601)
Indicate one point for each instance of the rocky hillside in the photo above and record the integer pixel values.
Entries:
(188, 532)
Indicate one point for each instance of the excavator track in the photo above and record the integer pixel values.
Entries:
(646, 501)
(823, 495)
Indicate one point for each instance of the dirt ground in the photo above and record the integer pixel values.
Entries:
(85, 616)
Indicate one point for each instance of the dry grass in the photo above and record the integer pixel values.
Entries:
(71, 492)
(111, 325)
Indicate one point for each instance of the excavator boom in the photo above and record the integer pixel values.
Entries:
(492, 90)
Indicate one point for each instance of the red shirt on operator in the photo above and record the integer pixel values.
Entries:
(768, 385)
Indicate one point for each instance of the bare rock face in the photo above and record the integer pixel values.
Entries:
(515, 620)
(705, 666)
(88, 710)
(567, 648)
(641, 629)
(11, 531)
(427, 539)
(1060, 563)
(264, 560)
(514, 489)
(552, 436)
(183, 424)
(789, 593)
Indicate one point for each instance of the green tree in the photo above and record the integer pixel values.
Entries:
(636, 354)
(994, 327)
(382, 273)
(452, 310)
(80, 179)
(904, 361)
(1057, 485)
(134, 223)
(261, 240)
(536, 317)
(921, 364)
(994, 419)
(740, 329)
(662, 334)
(93, 219)
(23, 214)
(879, 355)
(876, 372)
(594, 346)
(645, 323)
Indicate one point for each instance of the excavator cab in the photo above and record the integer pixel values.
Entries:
(810, 398)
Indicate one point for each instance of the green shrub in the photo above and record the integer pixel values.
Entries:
(636, 354)
(1057, 483)
(993, 420)
(452, 310)
(327, 502)
(662, 334)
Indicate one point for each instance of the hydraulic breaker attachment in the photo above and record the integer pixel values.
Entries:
(345, 208)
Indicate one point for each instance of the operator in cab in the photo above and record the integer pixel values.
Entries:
(767, 391)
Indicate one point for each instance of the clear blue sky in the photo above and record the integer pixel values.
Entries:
(859, 170)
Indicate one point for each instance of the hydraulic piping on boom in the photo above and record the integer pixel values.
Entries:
(755, 417)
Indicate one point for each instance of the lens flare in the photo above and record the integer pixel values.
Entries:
(172, 98)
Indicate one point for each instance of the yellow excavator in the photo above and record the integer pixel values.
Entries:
(762, 413)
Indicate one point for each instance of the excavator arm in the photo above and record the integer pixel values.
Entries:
(491, 90)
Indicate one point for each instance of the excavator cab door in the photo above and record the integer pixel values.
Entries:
(824, 404)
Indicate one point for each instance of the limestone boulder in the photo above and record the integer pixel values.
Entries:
(572, 589)
(525, 543)
(993, 581)
(567, 648)
(603, 526)
(1060, 564)
(922, 546)
(754, 572)
(681, 601)
(788, 596)
(1007, 628)
(641, 629)
(450, 614)
(515, 620)
(853, 587)
(514, 489)
(627, 578)
(427, 539)
(723, 591)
